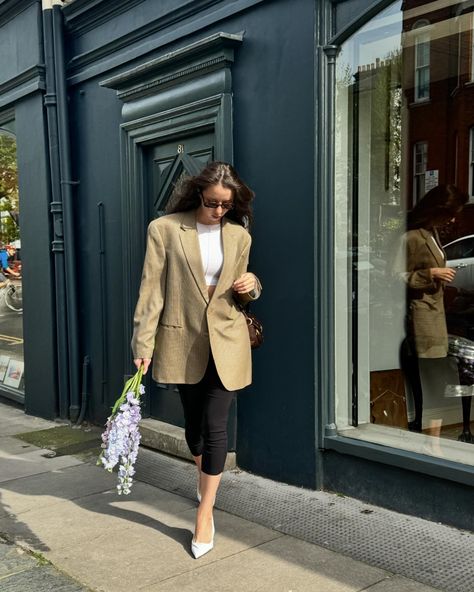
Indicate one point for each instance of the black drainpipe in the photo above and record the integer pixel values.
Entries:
(62, 209)
(68, 213)
(50, 102)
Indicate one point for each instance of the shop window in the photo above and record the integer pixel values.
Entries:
(422, 61)
(404, 336)
(11, 307)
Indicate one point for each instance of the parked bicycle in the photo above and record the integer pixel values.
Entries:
(11, 294)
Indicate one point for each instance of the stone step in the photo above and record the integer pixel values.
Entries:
(168, 438)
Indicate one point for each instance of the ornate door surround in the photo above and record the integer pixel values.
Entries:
(185, 91)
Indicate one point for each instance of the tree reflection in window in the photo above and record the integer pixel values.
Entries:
(9, 199)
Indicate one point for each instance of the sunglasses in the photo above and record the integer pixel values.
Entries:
(225, 205)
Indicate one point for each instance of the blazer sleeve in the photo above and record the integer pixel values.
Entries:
(151, 295)
(242, 268)
(406, 262)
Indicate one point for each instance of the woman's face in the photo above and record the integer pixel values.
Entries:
(210, 196)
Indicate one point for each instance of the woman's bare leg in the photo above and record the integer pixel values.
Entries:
(209, 487)
(198, 461)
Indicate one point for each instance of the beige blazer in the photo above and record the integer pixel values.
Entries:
(427, 320)
(174, 321)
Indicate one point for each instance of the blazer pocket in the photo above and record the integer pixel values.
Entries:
(168, 325)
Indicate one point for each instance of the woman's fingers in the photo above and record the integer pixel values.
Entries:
(445, 274)
(139, 361)
(245, 283)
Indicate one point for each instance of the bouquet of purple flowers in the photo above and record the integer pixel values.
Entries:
(121, 438)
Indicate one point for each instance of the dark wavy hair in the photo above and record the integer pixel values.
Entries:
(186, 195)
(437, 207)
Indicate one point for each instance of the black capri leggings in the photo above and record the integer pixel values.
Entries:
(206, 410)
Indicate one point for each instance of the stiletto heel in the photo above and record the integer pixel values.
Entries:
(199, 549)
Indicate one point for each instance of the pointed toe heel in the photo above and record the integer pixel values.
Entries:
(200, 549)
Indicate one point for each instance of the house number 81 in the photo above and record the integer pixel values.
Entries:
(180, 148)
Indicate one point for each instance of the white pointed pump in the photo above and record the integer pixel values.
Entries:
(199, 549)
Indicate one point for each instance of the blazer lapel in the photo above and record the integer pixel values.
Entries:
(435, 250)
(190, 243)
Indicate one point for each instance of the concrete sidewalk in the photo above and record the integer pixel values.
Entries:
(64, 528)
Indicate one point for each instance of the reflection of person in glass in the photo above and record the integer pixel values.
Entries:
(7, 253)
(422, 264)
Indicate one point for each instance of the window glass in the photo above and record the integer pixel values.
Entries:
(403, 172)
(11, 306)
(460, 249)
(422, 61)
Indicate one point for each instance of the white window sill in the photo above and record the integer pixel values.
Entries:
(459, 452)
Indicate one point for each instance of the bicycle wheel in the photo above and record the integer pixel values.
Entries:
(13, 298)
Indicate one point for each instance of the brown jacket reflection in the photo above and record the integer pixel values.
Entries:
(174, 320)
(419, 251)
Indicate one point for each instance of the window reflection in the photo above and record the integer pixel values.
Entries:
(11, 302)
(405, 226)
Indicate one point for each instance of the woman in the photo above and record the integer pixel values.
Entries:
(421, 262)
(187, 318)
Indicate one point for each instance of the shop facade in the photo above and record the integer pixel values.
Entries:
(341, 115)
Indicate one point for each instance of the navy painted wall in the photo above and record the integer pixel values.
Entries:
(18, 53)
(274, 152)
(439, 500)
(95, 117)
(39, 326)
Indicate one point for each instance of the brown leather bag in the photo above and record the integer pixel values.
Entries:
(254, 326)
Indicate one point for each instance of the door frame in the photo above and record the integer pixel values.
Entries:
(213, 113)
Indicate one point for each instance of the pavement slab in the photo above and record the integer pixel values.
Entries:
(82, 519)
(154, 551)
(15, 421)
(283, 564)
(48, 488)
(30, 463)
(12, 445)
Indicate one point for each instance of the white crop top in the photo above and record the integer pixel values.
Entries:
(212, 256)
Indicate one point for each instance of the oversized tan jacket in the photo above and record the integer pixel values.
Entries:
(418, 253)
(174, 321)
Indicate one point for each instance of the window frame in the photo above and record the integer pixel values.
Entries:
(419, 177)
(421, 39)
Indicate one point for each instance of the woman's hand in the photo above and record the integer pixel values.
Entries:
(245, 283)
(139, 361)
(445, 274)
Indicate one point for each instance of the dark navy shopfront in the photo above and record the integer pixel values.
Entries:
(325, 108)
